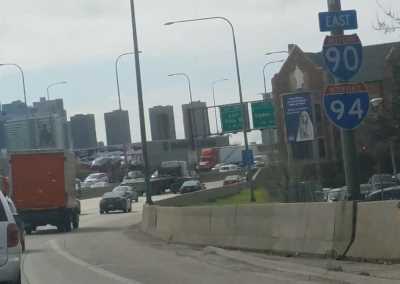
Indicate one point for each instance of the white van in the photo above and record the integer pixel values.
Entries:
(10, 245)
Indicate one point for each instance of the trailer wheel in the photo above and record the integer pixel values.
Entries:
(75, 221)
(60, 228)
(67, 222)
(28, 230)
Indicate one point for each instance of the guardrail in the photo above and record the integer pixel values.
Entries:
(88, 193)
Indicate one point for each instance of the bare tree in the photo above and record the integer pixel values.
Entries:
(389, 22)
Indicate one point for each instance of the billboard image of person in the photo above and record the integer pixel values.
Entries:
(306, 128)
(298, 117)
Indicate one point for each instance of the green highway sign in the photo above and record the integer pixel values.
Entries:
(263, 115)
(231, 117)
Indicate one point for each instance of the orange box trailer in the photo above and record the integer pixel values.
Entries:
(43, 188)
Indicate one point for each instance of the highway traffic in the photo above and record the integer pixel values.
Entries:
(111, 249)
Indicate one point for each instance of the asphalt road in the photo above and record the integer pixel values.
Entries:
(111, 249)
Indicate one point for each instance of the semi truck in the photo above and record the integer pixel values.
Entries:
(42, 185)
(210, 157)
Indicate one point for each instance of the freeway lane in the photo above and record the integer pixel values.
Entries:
(111, 249)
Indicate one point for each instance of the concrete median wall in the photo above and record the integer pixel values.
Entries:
(308, 228)
(378, 231)
(198, 197)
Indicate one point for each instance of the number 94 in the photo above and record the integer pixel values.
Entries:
(339, 109)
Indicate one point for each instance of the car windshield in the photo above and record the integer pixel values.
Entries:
(111, 194)
(95, 176)
(121, 189)
(190, 183)
(232, 178)
(383, 179)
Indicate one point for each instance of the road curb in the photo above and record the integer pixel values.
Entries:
(310, 272)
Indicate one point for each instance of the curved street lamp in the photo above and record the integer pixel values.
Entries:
(117, 76)
(263, 71)
(52, 85)
(188, 82)
(246, 142)
(22, 76)
(190, 113)
(276, 52)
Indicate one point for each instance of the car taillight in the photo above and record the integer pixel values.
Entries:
(12, 235)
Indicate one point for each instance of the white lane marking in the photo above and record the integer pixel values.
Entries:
(90, 267)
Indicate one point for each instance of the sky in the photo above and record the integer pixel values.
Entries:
(78, 41)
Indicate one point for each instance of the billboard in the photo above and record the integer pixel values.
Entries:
(298, 117)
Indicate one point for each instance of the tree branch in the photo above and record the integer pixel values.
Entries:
(392, 24)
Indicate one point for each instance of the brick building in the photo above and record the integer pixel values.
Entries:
(304, 71)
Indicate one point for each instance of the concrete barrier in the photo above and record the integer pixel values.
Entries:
(213, 176)
(308, 228)
(378, 231)
(197, 197)
(88, 193)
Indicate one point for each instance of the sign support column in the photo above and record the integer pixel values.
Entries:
(349, 150)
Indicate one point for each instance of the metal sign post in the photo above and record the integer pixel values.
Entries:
(343, 61)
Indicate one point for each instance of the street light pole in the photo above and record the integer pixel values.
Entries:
(276, 52)
(188, 82)
(117, 76)
(52, 85)
(141, 108)
(263, 71)
(239, 82)
(190, 114)
(213, 95)
(22, 76)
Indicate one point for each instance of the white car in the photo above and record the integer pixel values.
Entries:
(229, 168)
(94, 179)
(217, 167)
(10, 245)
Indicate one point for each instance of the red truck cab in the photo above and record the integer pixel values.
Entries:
(208, 159)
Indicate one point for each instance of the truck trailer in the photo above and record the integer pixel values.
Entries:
(42, 186)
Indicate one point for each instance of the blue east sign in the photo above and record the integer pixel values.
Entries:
(343, 56)
(341, 20)
(346, 105)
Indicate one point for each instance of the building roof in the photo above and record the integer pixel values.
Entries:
(374, 60)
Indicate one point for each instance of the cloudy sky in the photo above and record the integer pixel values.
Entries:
(78, 41)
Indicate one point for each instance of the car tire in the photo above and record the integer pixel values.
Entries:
(101, 212)
(75, 221)
(67, 223)
(28, 230)
(60, 228)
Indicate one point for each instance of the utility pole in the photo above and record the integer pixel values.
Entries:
(141, 108)
(349, 150)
